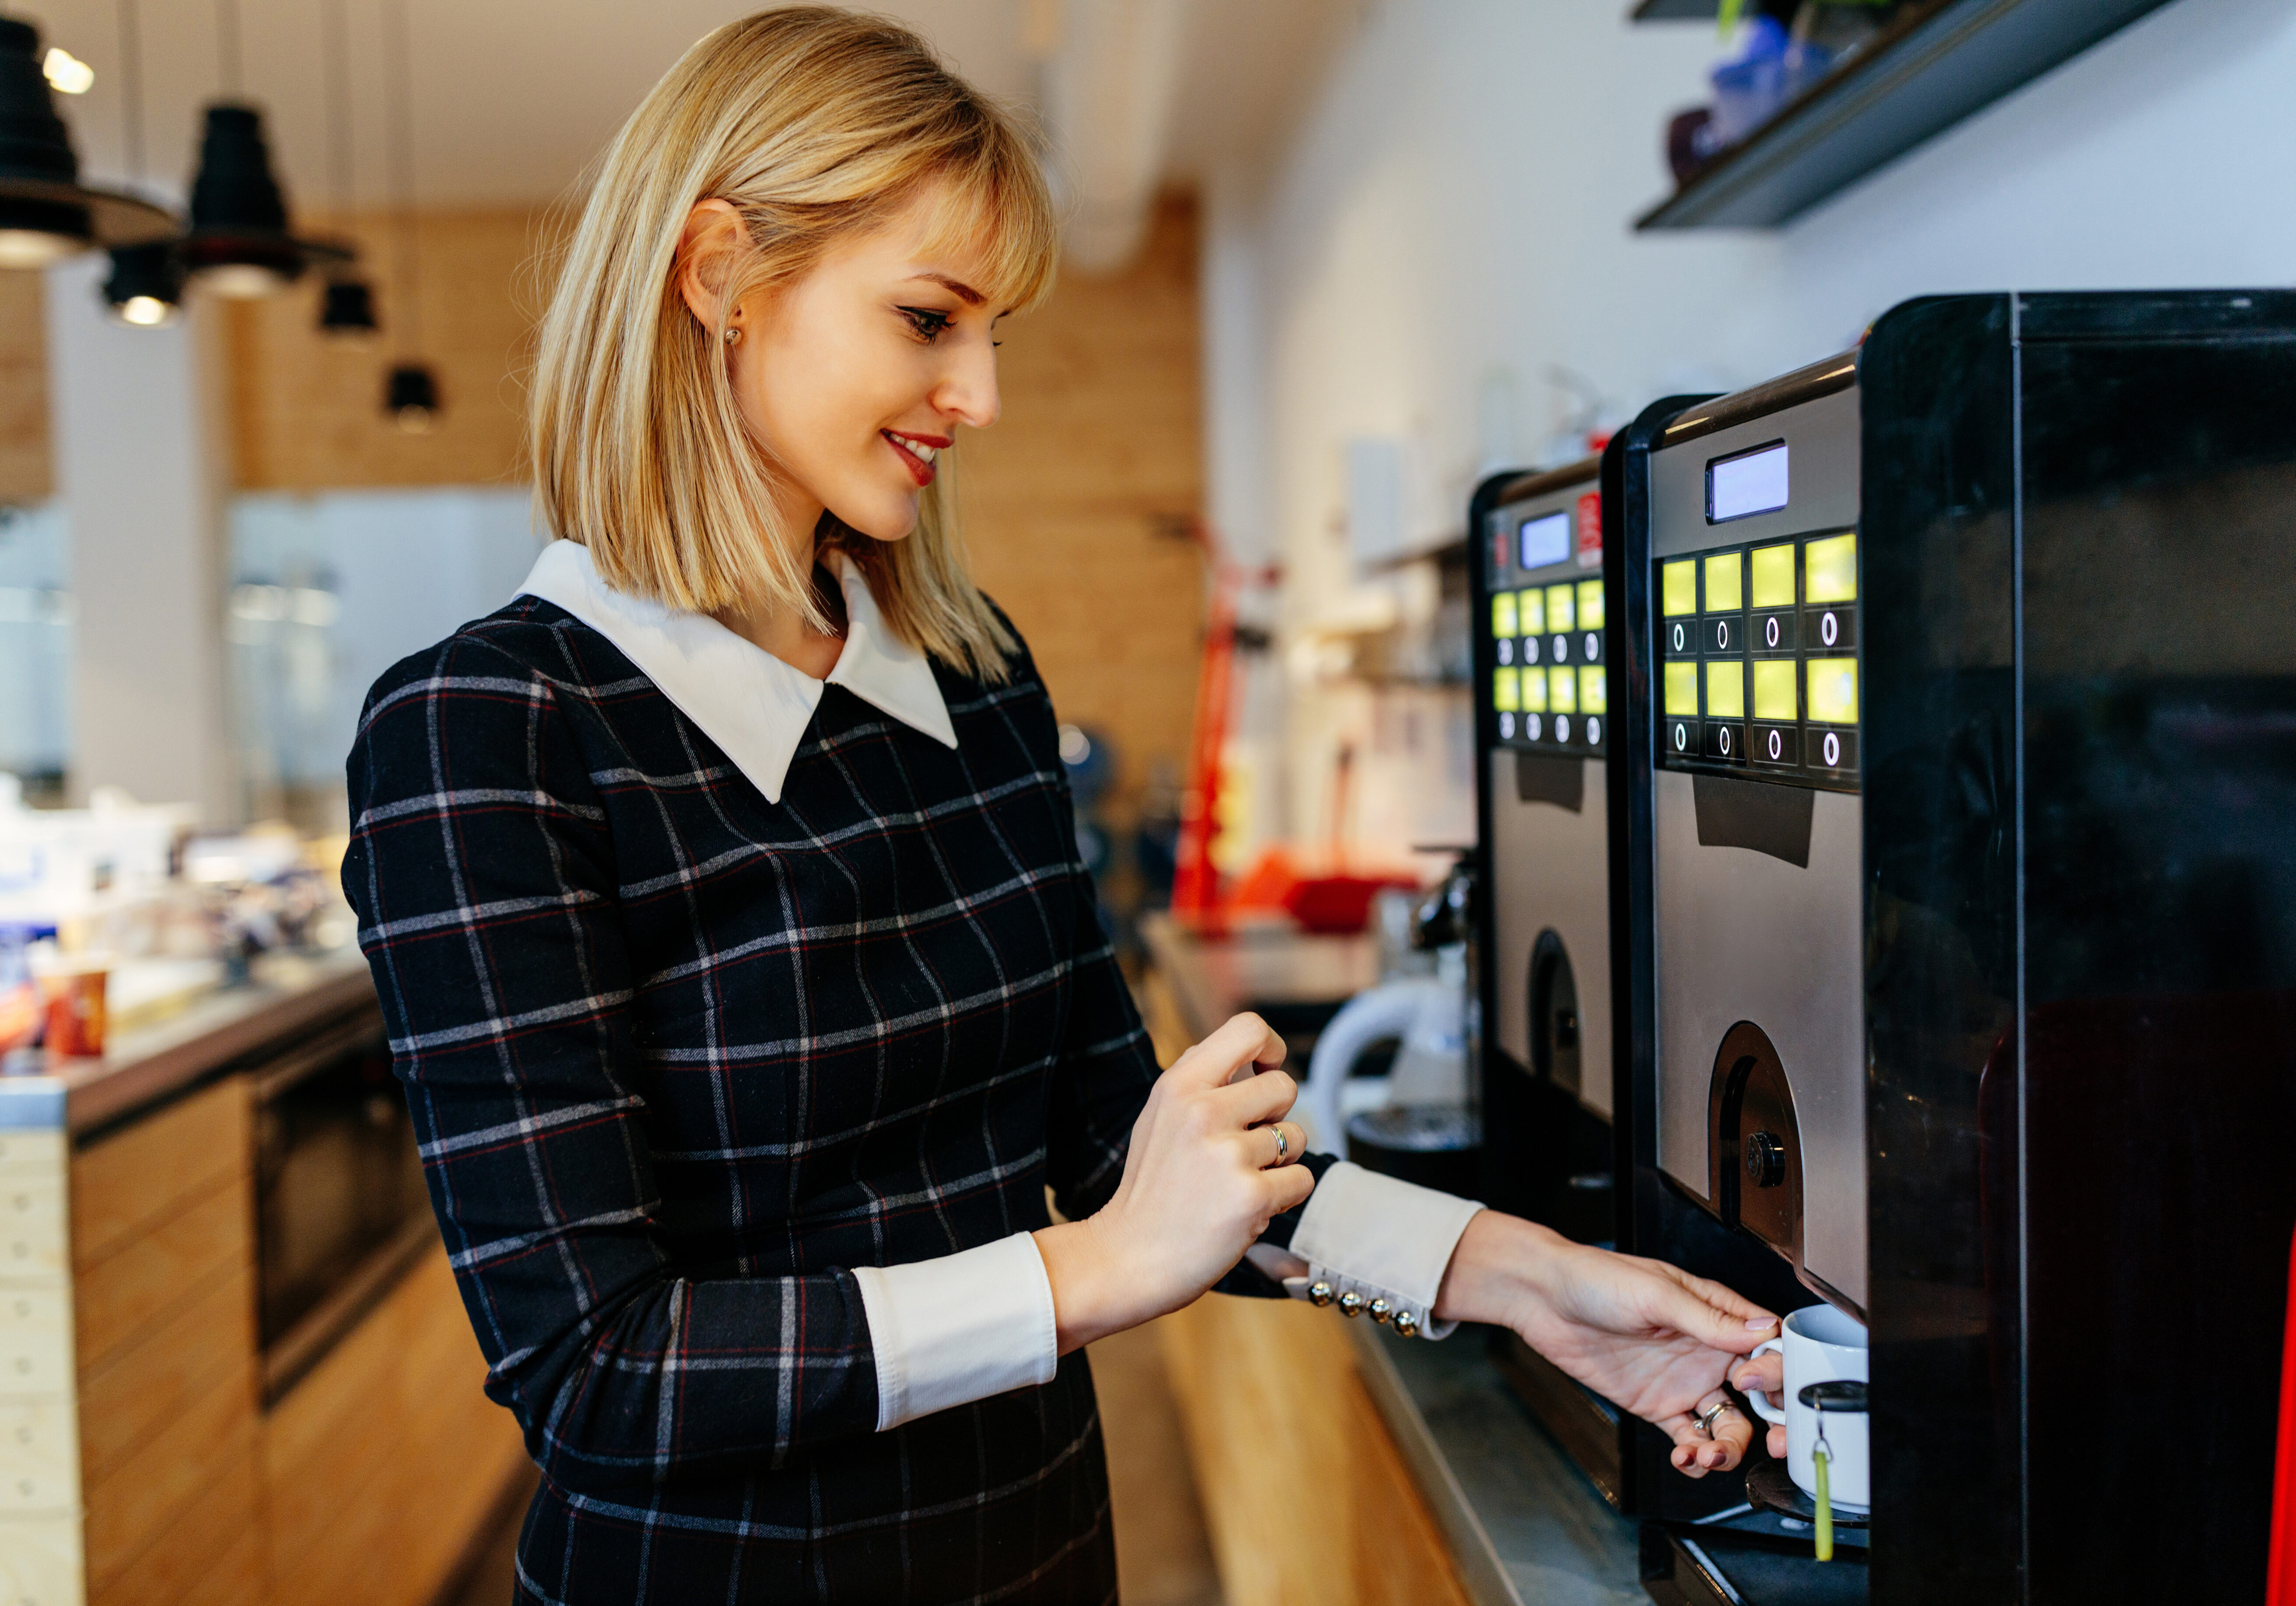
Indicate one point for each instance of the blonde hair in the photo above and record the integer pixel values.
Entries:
(815, 124)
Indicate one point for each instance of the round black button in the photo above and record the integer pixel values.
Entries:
(1766, 1160)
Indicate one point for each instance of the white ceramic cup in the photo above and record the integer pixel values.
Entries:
(1821, 1346)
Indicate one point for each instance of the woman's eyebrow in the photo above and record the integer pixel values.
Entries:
(962, 291)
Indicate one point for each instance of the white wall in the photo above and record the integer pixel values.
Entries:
(1455, 217)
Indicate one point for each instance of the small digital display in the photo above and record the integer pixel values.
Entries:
(1725, 688)
(1751, 482)
(1544, 541)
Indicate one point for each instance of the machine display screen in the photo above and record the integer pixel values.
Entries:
(1758, 665)
(1548, 689)
(1541, 542)
(1746, 483)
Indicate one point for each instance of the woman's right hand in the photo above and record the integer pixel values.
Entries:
(1202, 1178)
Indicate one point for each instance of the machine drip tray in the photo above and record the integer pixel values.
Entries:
(1769, 1488)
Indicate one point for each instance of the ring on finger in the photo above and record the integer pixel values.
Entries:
(1283, 1144)
(1707, 1418)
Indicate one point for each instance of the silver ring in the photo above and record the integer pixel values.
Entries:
(1705, 1419)
(1283, 1144)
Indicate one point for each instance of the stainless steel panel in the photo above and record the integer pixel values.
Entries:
(1550, 868)
(1744, 936)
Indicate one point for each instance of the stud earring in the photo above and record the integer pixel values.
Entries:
(732, 334)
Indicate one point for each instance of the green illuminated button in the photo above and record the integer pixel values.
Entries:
(1561, 690)
(1682, 689)
(1530, 612)
(1833, 690)
(1774, 577)
(1534, 690)
(1590, 604)
(1725, 689)
(1559, 611)
(1726, 582)
(1775, 689)
(1830, 567)
(1502, 623)
(1506, 690)
(1594, 692)
(1678, 588)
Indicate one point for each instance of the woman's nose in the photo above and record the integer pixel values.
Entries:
(968, 391)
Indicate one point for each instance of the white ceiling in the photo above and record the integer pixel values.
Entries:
(513, 97)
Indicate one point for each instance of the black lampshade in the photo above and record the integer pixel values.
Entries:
(410, 398)
(146, 284)
(238, 244)
(346, 311)
(44, 211)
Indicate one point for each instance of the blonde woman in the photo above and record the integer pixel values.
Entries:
(722, 894)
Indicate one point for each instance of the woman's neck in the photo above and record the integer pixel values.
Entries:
(784, 633)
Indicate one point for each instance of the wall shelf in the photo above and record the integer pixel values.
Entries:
(1938, 61)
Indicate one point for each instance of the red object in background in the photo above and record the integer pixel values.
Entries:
(1195, 880)
(1590, 530)
(1339, 905)
(2280, 1573)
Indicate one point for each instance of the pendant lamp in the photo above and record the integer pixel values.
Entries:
(45, 212)
(239, 244)
(146, 284)
(346, 308)
(410, 396)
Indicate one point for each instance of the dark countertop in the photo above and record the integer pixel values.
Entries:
(287, 994)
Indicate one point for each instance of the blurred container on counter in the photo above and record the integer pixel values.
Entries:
(73, 987)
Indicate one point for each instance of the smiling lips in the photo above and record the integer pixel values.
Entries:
(917, 452)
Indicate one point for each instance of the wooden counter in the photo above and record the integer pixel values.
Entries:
(161, 1475)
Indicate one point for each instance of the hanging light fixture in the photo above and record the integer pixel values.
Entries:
(239, 244)
(145, 287)
(45, 212)
(346, 309)
(410, 396)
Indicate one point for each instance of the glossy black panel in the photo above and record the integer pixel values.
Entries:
(1939, 557)
(2160, 777)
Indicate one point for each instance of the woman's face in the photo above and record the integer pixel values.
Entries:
(858, 375)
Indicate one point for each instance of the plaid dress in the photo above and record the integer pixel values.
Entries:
(679, 1057)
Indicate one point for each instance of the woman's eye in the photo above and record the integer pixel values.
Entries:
(928, 324)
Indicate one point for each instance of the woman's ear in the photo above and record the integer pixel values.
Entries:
(706, 252)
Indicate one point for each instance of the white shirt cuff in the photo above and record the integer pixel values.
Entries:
(1380, 1238)
(960, 1328)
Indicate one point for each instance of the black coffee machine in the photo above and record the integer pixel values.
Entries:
(1954, 904)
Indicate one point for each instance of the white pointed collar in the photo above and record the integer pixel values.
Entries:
(749, 702)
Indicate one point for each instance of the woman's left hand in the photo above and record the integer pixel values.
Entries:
(1649, 1336)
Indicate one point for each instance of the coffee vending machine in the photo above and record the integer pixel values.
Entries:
(1954, 910)
(1541, 1039)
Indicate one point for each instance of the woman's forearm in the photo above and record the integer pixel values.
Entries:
(1092, 1295)
(1499, 1263)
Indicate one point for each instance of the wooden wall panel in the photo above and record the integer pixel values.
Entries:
(306, 412)
(1069, 502)
(27, 467)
